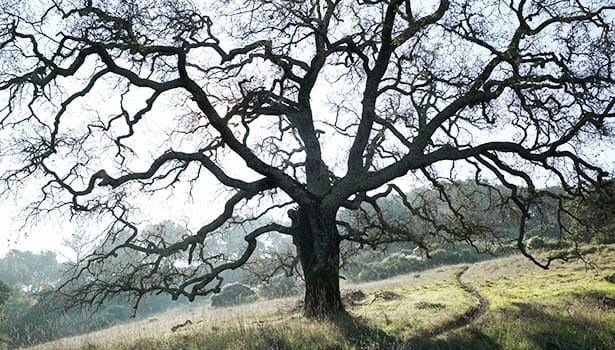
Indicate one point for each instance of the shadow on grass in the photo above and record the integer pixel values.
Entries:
(469, 339)
(560, 329)
(537, 326)
(363, 336)
(520, 326)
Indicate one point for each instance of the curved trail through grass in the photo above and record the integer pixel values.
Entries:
(365, 336)
(468, 316)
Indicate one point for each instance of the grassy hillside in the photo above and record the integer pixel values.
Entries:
(506, 303)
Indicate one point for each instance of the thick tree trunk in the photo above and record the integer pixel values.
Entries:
(317, 244)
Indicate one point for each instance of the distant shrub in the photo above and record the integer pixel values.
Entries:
(505, 249)
(280, 287)
(392, 265)
(536, 243)
(589, 250)
(388, 264)
(234, 294)
(112, 314)
(550, 244)
(424, 305)
(353, 296)
(456, 255)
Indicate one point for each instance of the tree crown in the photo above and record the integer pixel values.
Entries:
(318, 105)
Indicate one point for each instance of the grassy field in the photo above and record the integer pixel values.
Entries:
(506, 303)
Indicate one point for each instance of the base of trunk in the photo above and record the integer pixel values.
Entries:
(322, 296)
(316, 238)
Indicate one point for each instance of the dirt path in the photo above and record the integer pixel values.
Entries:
(468, 316)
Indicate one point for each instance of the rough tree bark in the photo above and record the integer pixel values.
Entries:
(318, 247)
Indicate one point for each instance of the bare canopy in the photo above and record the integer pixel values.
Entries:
(310, 108)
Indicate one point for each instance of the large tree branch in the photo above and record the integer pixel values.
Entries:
(355, 156)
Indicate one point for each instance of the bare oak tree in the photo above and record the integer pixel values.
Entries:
(307, 107)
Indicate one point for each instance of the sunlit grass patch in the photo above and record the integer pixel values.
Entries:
(567, 307)
(515, 282)
(415, 309)
(566, 323)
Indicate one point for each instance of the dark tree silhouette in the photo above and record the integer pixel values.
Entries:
(310, 108)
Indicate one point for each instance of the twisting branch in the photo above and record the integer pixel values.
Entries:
(375, 122)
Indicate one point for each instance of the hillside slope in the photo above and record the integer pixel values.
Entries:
(505, 303)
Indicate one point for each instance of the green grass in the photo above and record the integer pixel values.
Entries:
(571, 306)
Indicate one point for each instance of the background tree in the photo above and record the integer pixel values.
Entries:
(32, 271)
(304, 107)
(5, 293)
